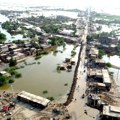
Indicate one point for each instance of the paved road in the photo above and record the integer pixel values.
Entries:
(78, 106)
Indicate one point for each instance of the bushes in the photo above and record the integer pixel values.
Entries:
(45, 92)
(11, 80)
(50, 98)
(108, 64)
(18, 75)
(73, 53)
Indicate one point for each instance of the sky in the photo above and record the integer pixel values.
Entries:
(105, 5)
(69, 3)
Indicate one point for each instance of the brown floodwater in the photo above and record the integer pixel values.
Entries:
(39, 77)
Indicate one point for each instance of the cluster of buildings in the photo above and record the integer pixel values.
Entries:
(18, 51)
(99, 83)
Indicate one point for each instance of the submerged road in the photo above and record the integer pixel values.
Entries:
(78, 106)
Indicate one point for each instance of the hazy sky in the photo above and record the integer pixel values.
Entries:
(108, 6)
(70, 3)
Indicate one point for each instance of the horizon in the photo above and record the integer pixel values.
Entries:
(96, 5)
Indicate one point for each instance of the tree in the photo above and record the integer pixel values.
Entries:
(2, 38)
(3, 80)
(12, 62)
(11, 80)
(108, 64)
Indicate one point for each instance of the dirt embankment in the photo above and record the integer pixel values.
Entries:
(73, 86)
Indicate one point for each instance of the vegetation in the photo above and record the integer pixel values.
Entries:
(11, 80)
(73, 53)
(66, 84)
(57, 41)
(2, 38)
(3, 80)
(18, 41)
(12, 62)
(18, 75)
(50, 98)
(45, 92)
(92, 37)
(51, 28)
(10, 26)
(37, 57)
(101, 53)
(108, 64)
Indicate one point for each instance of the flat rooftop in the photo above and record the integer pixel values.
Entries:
(106, 76)
(112, 111)
(34, 98)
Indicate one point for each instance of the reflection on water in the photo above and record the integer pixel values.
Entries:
(39, 77)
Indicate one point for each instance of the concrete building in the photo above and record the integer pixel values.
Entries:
(110, 112)
(106, 78)
(33, 100)
(93, 52)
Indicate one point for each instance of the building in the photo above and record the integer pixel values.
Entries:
(93, 53)
(100, 63)
(4, 48)
(34, 100)
(110, 112)
(5, 73)
(19, 57)
(106, 78)
(108, 40)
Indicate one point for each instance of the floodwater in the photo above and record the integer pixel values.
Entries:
(39, 77)
(9, 37)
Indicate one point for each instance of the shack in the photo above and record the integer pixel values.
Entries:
(110, 112)
(33, 100)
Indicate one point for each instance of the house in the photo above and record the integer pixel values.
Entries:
(19, 56)
(33, 100)
(108, 40)
(100, 63)
(106, 78)
(5, 73)
(13, 46)
(93, 53)
(110, 113)
(4, 48)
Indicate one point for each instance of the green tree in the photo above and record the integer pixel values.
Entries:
(12, 62)
(2, 38)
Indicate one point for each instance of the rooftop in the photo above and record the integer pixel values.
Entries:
(112, 111)
(106, 77)
(34, 98)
